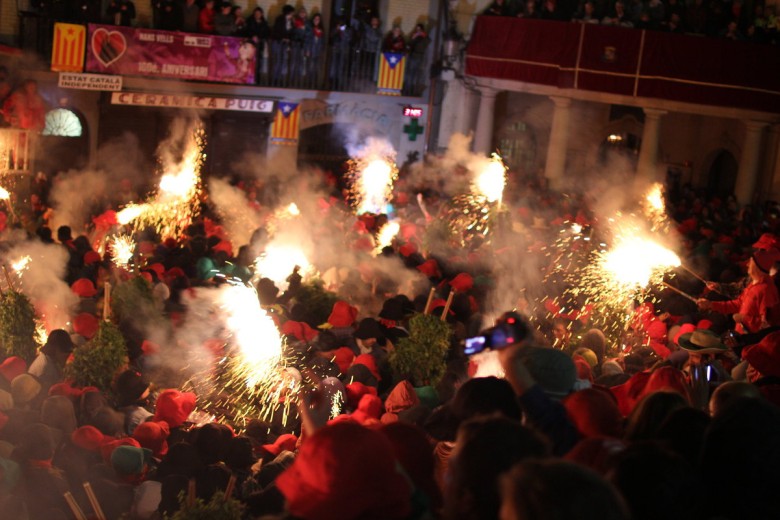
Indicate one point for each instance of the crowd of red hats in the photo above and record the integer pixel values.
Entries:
(681, 420)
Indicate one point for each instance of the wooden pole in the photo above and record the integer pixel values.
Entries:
(447, 306)
(93, 501)
(678, 291)
(191, 493)
(107, 301)
(74, 507)
(8, 278)
(230, 486)
(430, 300)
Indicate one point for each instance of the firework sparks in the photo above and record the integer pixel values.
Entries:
(491, 180)
(386, 235)
(21, 264)
(654, 206)
(635, 261)
(293, 210)
(4, 195)
(372, 173)
(122, 249)
(277, 261)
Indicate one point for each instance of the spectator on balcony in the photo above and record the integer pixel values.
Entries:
(206, 18)
(497, 8)
(418, 47)
(257, 30)
(238, 18)
(395, 41)
(530, 10)
(282, 37)
(370, 46)
(190, 12)
(657, 11)
(760, 25)
(121, 12)
(224, 22)
(314, 46)
(675, 24)
(586, 14)
(696, 17)
(340, 44)
(618, 17)
(169, 16)
(732, 32)
(717, 19)
(297, 62)
(673, 7)
(550, 10)
(25, 108)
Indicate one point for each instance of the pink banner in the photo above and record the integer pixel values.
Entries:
(144, 52)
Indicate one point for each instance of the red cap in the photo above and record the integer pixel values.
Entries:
(369, 362)
(84, 288)
(594, 413)
(91, 257)
(345, 472)
(355, 391)
(462, 283)
(429, 268)
(174, 407)
(342, 315)
(285, 442)
(369, 409)
(407, 249)
(765, 259)
(88, 438)
(158, 269)
(12, 367)
(684, 329)
(767, 241)
(86, 325)
(65, 389)
(299, 330)
(154, 436)
(764, 356)
(224, 246)
(343, 357)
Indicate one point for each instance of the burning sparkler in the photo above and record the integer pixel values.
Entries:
(386, 235)
(655, 207)
(122, 250)
(21, 264)
(277, 261)
(371, 177)
(491, 180)
(635, 261)
(4, 195)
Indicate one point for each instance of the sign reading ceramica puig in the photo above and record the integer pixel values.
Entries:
(77, 80)
(143, 99)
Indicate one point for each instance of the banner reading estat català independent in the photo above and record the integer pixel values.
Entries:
(144, 52)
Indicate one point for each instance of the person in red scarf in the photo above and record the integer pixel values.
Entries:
(753, 309)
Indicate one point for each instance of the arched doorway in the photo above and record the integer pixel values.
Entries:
(64, 143)
(722, 175)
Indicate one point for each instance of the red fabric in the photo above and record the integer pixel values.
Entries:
(596, 453)
(369, 409)
(595, 413)
(342, 315)
(84, 288)
(12, 367)
(105, 220)
(108, 447)
(285, 442)
(224, 246)
(767, 241)
(355, 391)
(174, 407)
(583, 369)
(401, 398)
(343, 357)
(407, 250)
(369, 362)
(429, 268)
(667, 378)
(755, 304)
(299, 330)
(65, 389)
(154, 436)
(684, 329)
(345, 472)
(88, 438)
(414, 453)
(462, 283)
(765, 355)
(91, 257)
(86, 325)
(630, 392)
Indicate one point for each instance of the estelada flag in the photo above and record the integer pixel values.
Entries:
(286, 123)
(391, 74)
(67, 53)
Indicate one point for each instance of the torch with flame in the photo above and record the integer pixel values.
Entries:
(372, 173)
(386, 235)
(491, 180)
(654, 206)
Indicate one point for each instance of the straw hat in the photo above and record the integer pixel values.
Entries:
(702, 342)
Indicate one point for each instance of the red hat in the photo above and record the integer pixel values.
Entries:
(91, 257)
(158, 269)
(440, 302)
(667, 378)
(343, 357)
(462, 283)
(105, 219)
(355, 391)
(170, 243)
(88, 438)
(583, 369)
(86, 325)
(401, 398)
(594, 413)
(369, 362)
(704, 324)
(174, 407)
(154, 436)
(766, 242)
(429, 268)
(342, 315)
(12, 367)
(630, 392)
(175, 272)
(108, 447)
(224, 246)
(407, 249)
(345, 472)
(765, 259)
(299, 330)
(146, 248)
(369, 410)
(65, 389)
(764, 356)
(282, 443)
(84, 288)
(408, 231)
(684, 329)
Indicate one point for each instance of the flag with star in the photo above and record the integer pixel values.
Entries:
(286, 123)
(67, 53)
(391, 74)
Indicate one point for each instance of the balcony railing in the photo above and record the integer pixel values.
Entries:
(335, 67)
(17, 149)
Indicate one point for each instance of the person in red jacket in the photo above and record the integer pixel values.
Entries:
(754, 308)
(206, 18)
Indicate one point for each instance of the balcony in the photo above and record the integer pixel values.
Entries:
(331, 67)
(627, 62)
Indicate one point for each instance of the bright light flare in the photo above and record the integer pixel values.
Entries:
(375, 186)
(131, 212)
(4, 195)
(293, 210)
(278, 260)
(21, 264)
(122, 250)
(576, 228)
(491, 181)
(636, 260)
(386, 235)
(655, 198)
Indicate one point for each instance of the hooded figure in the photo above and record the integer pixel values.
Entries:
(47, 367)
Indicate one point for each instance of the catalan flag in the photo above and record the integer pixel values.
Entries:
(391, 74)
(286, 123)
(67, 54)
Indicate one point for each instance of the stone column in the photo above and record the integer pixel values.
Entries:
(483, 135)
(747, 176)
(554, 167)
(647, 168)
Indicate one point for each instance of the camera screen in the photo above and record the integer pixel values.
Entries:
(474, 345)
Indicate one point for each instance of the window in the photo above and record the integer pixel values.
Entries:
(62, 122)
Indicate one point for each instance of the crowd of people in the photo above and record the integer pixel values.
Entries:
(680, 421)
(735, 20)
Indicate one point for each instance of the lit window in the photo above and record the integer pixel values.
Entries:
(62, 122)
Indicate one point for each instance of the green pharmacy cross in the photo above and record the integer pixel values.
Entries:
(413, 129)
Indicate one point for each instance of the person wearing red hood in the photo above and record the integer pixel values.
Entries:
(755, 307)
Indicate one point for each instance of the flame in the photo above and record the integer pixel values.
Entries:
(293, 210)
(490, 182)
(278, 260)
(635, 260)
(122, 249)
(253, 332)
(4, 195)
(386, 235)
(21, 264)
(655, 197)
(576, 228)
(375, 186)
(131, 212)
